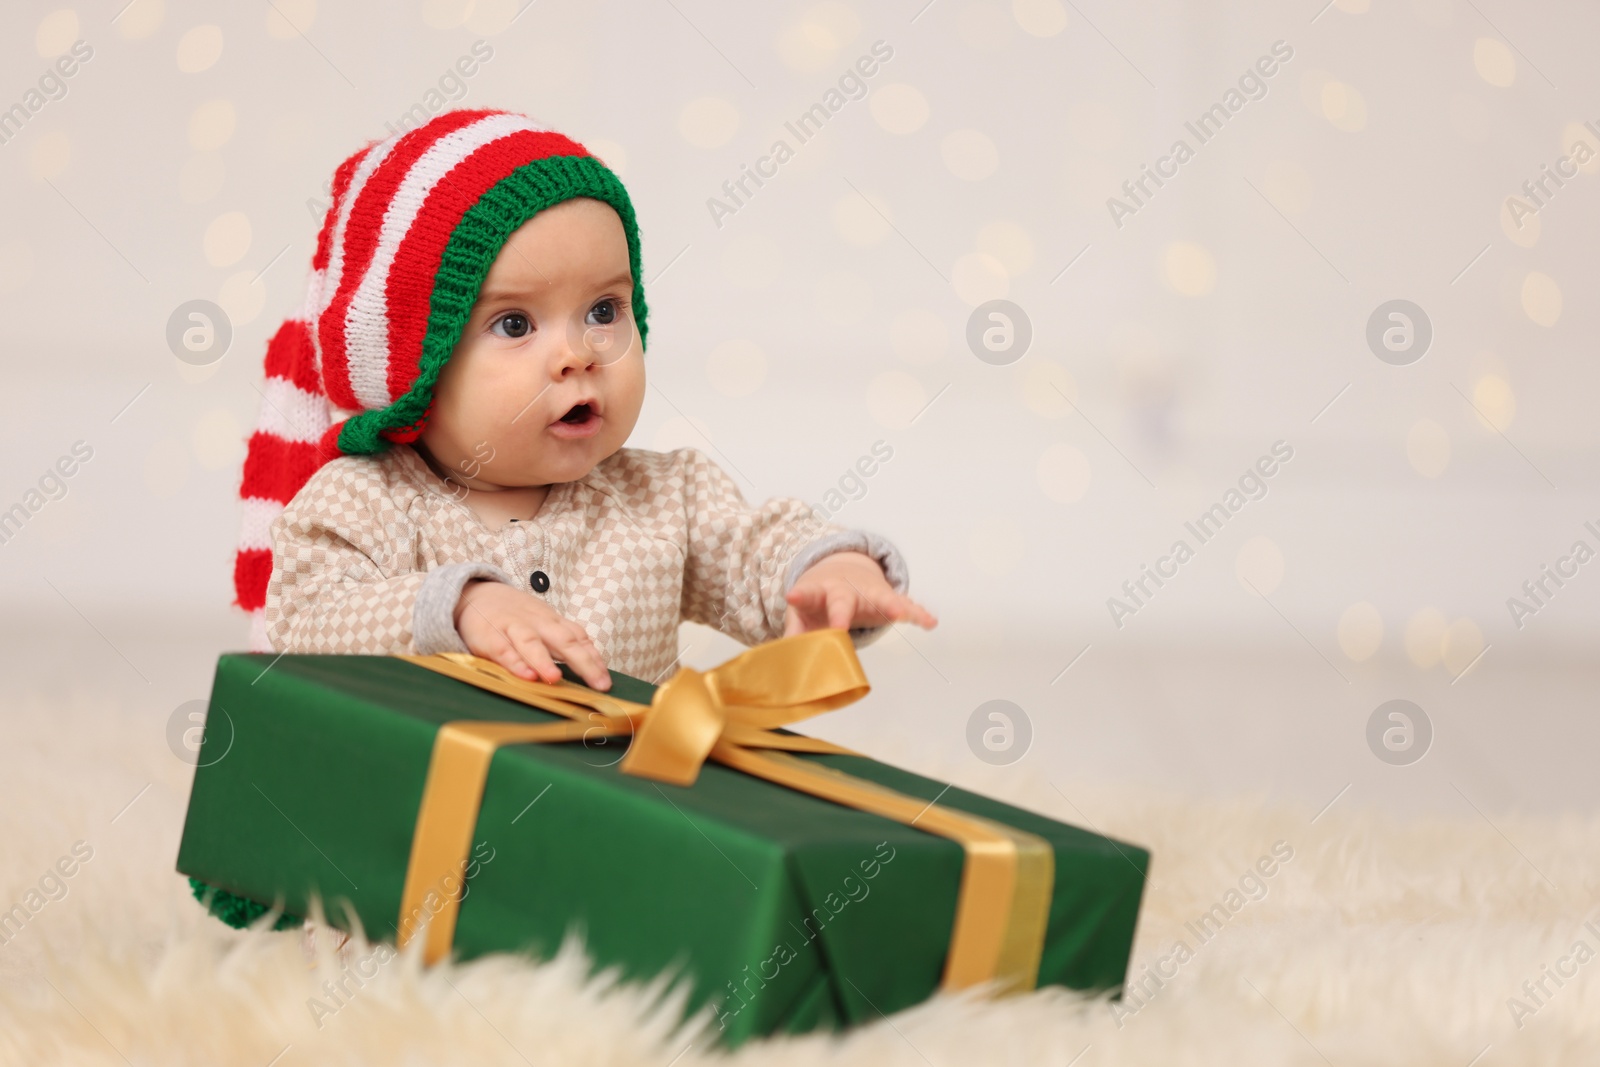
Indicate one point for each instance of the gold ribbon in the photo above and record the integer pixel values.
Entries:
(728, 715)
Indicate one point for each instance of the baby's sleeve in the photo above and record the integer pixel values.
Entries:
(345, 578)
(743, 560)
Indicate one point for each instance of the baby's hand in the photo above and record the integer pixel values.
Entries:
(845, 590)
(524, 635)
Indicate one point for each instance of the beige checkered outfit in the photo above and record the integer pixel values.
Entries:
(370, 557)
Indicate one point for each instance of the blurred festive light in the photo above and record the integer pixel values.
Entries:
(199, 49)
(1360, 631)
(969, 154)
(140, 19)
(56, 33)
(894, 398)
(1541, 298)
(1428, 448)
(978, 277)
(814, 41)
(1008, 243)
(1494, 62)
(1425, 634)
(898, 108)
(288, 19)
(1495, 403)
(708, 122)
(1189, 268)
(1344, 106)
(1039, 18)
(227, 239)
(1259, 565)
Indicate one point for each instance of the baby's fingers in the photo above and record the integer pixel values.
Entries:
(810, 599)
(511, 660)
(809, 605)
(841, 608)
(532, 650)
(579, 653)
(483, 638)
(911, 611)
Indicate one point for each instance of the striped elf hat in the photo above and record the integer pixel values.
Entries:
(415, 223)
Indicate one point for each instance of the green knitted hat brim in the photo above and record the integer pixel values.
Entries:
(470, 252)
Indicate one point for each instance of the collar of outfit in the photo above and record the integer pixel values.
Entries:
(435, 478)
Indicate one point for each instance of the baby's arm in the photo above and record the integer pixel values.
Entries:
(329, 593)
(745, 562)
(502, 622)
(345, 580)
(849, 588)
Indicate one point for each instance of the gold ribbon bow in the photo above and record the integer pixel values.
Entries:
(729, 715)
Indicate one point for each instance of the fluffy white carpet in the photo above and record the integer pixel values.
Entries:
(1378, 942)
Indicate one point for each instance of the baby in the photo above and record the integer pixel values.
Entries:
(440, 466)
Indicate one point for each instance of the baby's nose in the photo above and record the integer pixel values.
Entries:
(600, 344)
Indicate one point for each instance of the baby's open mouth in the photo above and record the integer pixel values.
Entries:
(580, 421)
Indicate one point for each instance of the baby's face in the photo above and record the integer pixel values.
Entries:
(548, 377)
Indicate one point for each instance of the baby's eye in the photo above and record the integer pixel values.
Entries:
(512, 325)
(605, 312)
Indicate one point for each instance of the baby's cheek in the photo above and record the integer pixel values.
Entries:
(499, 405)
(627, 397)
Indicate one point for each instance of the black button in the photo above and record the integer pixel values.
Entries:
(539, 580)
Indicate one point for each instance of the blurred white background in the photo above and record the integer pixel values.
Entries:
(186, 158)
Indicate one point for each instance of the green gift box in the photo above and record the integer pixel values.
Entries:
(784, 911)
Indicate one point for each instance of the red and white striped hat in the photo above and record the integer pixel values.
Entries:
(415, 223)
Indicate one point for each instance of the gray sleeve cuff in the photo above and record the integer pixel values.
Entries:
(433, 615)
(879, 548)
